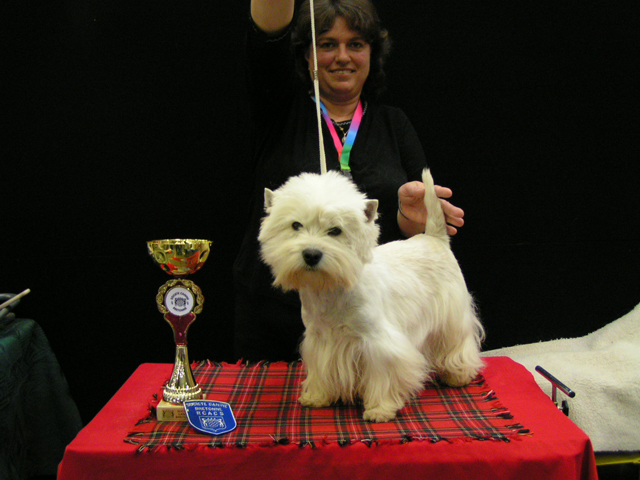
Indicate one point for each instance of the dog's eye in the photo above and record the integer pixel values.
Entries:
(296, 226)
(335, 231)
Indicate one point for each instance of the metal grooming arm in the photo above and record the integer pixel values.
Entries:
(557, 384)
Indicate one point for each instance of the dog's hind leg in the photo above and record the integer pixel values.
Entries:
(458, 362)
(394, 371)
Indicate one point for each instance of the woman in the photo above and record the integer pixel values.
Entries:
(385, 160)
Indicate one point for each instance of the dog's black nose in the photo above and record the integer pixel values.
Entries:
(312, 256)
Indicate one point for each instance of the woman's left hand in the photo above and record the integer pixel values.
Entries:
(414, 213)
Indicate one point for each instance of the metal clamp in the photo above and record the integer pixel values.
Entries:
(557, 384)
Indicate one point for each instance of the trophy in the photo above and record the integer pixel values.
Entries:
(180, 300)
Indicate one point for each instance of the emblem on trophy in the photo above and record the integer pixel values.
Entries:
(180, 300)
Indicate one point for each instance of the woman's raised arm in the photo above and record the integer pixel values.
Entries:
(272, 16)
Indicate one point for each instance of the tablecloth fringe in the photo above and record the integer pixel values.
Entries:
(517, 434)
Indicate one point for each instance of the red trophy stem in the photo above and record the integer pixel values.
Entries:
(180, 324)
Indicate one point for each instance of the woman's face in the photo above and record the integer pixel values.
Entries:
(344, 59)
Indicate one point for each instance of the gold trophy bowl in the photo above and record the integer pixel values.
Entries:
(180, 300)
(178, 256)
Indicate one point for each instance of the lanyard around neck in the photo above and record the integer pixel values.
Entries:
(344, 150)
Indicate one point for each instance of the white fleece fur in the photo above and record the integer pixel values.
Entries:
(603, 368)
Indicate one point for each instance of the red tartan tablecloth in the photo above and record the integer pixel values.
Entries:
(264, 399)
(557, 449)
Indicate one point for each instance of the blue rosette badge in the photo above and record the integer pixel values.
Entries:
(210, 417)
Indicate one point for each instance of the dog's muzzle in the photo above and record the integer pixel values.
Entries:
(312, 256)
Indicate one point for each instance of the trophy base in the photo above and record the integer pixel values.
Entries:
(170, 412)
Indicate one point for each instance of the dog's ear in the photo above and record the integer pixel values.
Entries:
(371, 210)
(268, 199)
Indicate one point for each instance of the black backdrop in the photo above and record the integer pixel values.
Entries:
(126, 121)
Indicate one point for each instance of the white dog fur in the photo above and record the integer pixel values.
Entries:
(379, 320)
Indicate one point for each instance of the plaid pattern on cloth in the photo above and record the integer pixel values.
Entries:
(264, 399)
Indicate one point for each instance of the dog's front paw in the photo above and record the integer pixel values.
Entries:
(379, 414)
(456, 379)
(315, 400)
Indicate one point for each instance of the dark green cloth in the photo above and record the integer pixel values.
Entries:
(38, 418)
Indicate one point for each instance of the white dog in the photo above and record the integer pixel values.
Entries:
(379, 320)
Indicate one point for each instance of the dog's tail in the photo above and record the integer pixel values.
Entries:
(436, 224)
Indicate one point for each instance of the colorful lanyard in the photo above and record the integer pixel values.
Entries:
(344, 151)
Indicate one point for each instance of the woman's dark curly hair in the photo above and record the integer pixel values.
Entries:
(362, 17)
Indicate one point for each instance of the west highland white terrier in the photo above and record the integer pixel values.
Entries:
(379, 320)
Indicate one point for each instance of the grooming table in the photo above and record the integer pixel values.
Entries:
(503, 426)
